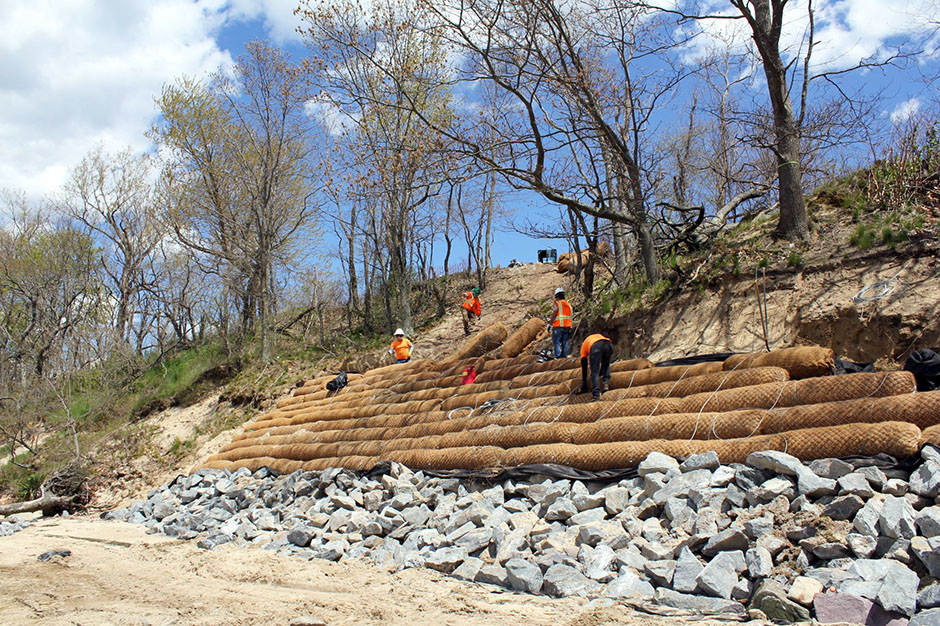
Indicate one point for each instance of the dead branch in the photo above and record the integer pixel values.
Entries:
(46, 504)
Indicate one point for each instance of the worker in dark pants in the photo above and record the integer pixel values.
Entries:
(598, 350)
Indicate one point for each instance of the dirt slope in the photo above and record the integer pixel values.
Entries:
(806, 305)
(117, 574)
(512, 295)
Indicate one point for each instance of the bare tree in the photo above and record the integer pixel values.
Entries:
(239, 179)
(111, 196)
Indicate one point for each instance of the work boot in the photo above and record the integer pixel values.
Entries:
(595, 397)
(604, 385)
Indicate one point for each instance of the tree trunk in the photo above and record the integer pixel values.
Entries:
(44, 504)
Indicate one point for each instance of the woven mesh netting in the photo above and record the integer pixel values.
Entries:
(522, 411)
(801, 361)
(931, 435)
(487, 339)
(522, 337)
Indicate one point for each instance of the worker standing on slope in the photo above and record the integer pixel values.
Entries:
(560, 324)
(400, 347)
(598, 349)
(470, 309)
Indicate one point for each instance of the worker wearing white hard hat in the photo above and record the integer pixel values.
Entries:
(401, 347)
(560, 324)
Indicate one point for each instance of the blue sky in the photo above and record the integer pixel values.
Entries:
(75, 73)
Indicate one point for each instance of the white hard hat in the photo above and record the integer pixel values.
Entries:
(559, 290)
(399, 331)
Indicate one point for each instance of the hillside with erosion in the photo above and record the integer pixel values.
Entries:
(875, 302)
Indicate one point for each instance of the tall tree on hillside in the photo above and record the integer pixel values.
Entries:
(239, 180)
(111, 196)
(579, 85)
(380, 77)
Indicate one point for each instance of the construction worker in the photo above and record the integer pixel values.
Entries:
(470, 309)
(598, 349)
(400, 347)
(560, 324)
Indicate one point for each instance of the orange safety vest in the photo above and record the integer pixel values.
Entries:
(590, 341)
(562, 312)
(472, 303)
(402, 348)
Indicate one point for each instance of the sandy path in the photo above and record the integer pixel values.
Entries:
(117, 574)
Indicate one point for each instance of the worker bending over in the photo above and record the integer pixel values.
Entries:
(400, 347)
(560, 324)
(598, 349)
(470, 309)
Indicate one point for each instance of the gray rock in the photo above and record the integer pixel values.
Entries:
(656, 462)
(660, 572)
(892, 584)
(874, 475)
(897, 518)
(775, 461)
(926, 554)
(866, 520)
(300, 537)
(492, 574)
(830, 550)
(722, 476)
(445, 559)
(742, 591)
(211, 541)
(831, 468)
(842, 607)
(162, 510)
(759, 562)
(863, 546)
(928, 521)
(843, 507)
(771, 489)
(925, 481)
(895, 487)
(929, 596)
(930, 617)
(771, 599)
(704, 460)
(757, 527)
(560, 510)
(719, 577)
(523, 575)
(855, 484)
(729, 539)
(616, 499)
(699, 604)
(812, 486)
(598, 566)
(590, 515)
(688, 567)
(628, 586)
(563, 580)
(469, 569)
(332, 550)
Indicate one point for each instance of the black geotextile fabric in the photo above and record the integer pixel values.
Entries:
(695, 360)
(925, 366)
(850, 367)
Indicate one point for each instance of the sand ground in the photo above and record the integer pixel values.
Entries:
(117, 574)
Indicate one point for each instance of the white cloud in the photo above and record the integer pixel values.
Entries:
(846, 31)
(905, 110)
(277, 15)
(74, 73)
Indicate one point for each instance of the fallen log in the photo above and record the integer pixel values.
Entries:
(46, 504)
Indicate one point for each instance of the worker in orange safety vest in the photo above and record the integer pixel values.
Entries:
(470, 309)
(597, 349)
(401, 347)
(560, 324)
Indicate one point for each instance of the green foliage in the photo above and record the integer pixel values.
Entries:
(168, 379)
(862, 238)
(27, 486)
(794, 259)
